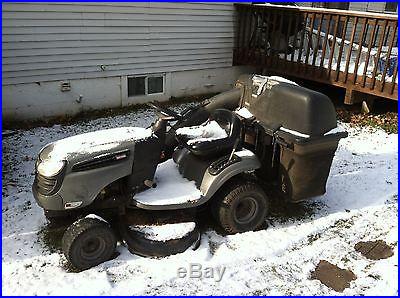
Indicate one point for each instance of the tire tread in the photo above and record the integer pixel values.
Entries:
(225, 198)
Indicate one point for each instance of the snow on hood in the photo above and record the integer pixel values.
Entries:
(165, 232)
(94, 142)
(208, 131)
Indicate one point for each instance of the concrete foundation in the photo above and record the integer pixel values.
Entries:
(42, 100)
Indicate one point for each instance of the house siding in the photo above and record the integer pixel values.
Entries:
(60, 41)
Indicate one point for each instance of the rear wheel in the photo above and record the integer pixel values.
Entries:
(88, 242)
(241, 207)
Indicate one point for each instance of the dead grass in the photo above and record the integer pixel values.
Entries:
(387, 121)
(94, 114)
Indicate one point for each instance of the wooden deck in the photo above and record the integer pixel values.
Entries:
(353, 50)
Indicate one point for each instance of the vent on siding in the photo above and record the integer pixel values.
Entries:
(65, 86)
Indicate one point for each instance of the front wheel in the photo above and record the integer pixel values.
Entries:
(88, 242)
(241, 207)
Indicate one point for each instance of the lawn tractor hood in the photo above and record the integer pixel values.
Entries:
(71, 172)
(77, 150)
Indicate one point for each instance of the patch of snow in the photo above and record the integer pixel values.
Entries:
(208, 131)
(337, 129)
(361, 204)
(347, 46)
(94, 216)
(171, 188)
(245, 113)
(96, 141)
(294, 132)
(259, 82)
(244, 153)
(283, 80)
(165, 232)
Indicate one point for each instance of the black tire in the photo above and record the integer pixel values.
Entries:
(88, 242)
(240, 207)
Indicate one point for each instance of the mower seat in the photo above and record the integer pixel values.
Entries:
(232, 125)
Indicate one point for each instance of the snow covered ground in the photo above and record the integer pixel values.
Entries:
(360, 205)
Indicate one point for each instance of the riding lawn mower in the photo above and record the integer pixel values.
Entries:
(224, 154)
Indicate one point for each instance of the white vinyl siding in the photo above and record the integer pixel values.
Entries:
(368, 6)
(60, 41)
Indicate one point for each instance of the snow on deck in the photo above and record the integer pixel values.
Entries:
(171, 188)
(360, 205)
(165, 232)
(352, 62)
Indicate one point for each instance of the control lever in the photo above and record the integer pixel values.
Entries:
(234, 149)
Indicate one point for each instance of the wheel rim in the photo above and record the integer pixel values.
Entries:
(246, 210)
(93, 248)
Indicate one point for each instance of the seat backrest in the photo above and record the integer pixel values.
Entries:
(233, 127)
(229, 121)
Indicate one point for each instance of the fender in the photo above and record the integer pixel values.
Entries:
(212, 183)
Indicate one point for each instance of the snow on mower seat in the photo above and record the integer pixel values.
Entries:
(217, 136)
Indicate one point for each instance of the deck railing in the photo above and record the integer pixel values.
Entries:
(354, 50)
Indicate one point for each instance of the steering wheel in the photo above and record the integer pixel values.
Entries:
(166, 111)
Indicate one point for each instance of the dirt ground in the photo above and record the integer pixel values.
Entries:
(332, 276)
(374, 250)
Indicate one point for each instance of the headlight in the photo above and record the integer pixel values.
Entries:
(37, 163)
(50, 168)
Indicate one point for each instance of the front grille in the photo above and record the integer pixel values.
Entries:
(45, 185)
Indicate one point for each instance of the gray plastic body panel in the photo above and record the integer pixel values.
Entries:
(210, 184)
(84, 186)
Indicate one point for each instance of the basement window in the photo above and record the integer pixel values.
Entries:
(145, 85)
(391, 6)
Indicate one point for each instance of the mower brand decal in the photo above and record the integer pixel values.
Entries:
(120, 156)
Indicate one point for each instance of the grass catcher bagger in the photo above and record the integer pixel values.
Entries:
(221, 155)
